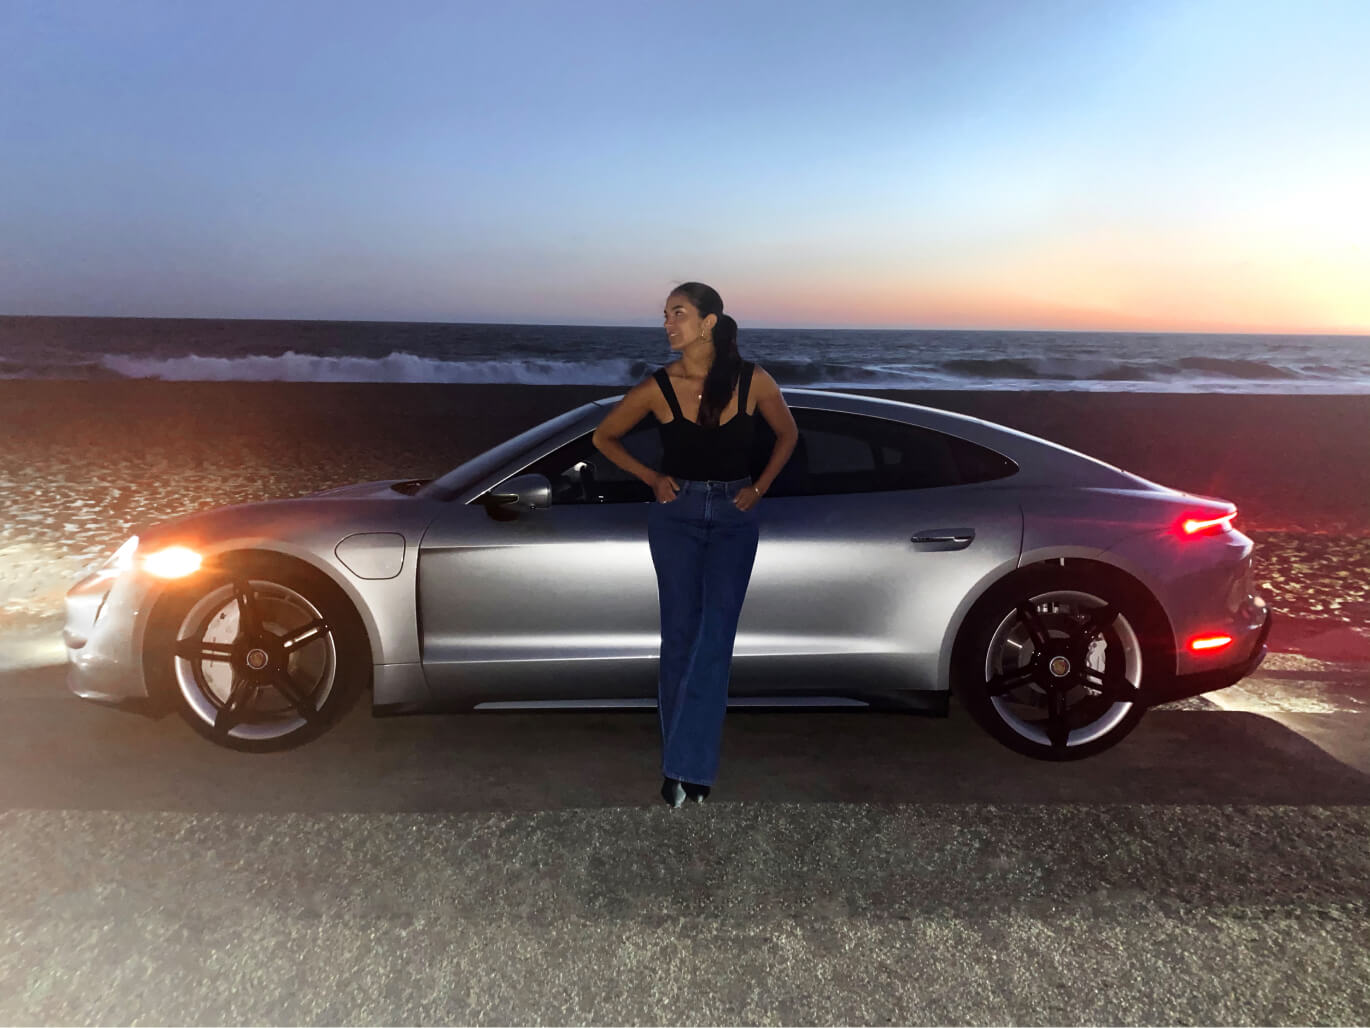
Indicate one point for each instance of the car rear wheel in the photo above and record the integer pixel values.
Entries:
(1051, 663)
(259, 655)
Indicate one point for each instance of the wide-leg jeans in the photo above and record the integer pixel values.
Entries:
(703, 547)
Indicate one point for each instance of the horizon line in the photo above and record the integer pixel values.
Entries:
(1352, 332)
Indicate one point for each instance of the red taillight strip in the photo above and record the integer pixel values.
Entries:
(1210, 642)
(1193, 525)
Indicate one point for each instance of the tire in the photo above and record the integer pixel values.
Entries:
(1051, 662)
(259, 654)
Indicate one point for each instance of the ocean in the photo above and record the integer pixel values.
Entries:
(209, 349)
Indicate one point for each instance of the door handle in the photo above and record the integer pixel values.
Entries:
(943, 538)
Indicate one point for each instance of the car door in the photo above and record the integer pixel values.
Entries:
(870, 538)
(552, 603)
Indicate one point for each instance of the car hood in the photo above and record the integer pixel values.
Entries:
(374, 506)
(383, 488)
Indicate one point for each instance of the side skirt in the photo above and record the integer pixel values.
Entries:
(933, 704)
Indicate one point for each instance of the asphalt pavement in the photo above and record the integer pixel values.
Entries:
(518, 868)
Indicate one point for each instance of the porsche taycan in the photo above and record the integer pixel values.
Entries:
(906, 554)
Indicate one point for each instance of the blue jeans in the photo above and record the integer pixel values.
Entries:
(703, 547)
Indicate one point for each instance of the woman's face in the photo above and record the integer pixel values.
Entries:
(683, 323)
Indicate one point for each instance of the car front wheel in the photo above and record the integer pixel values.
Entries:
(1051, 663)
(258, 655)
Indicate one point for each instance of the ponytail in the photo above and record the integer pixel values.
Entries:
(723, 374)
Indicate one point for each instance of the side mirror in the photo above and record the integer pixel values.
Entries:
(522, 492)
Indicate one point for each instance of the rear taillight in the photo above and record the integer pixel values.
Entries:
(1204, 523)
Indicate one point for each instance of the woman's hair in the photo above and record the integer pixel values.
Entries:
(722, 378)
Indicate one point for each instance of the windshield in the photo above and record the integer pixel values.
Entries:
(491, 460)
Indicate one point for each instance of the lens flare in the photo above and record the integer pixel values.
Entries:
(173, 562)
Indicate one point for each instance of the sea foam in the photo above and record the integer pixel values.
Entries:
(395, 367)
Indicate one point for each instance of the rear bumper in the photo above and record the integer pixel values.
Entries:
(1180, 687)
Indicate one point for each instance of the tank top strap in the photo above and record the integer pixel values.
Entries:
(744, 387)
(664, 381)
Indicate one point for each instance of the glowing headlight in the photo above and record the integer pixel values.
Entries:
(173, 562)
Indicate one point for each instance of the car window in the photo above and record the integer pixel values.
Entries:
(836, 453)
(852, 453)
(580, 473)
(448, 485)
(979, 463)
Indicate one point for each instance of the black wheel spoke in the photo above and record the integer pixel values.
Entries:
(1114, 687)
(317, 629)
(1058, 729)
(249, 617)
(191, 648)
(1033, 623)
(288, 688)
(234, 712)
(1000, 684)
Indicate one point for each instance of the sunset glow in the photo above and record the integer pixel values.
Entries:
(1178, 165)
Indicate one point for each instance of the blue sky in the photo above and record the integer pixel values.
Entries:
(1107, 165)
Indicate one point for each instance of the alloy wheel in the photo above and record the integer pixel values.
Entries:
(1063, 668)
(255, 660)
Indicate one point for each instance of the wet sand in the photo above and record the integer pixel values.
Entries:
(82, 463)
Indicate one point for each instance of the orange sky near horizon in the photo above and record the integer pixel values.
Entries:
(1091, 282)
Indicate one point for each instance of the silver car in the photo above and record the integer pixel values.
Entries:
(905, 552)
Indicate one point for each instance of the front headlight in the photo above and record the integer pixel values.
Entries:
(172, 562)
(168, 562)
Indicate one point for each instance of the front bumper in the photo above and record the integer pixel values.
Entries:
(1181, 687)
(103, 632)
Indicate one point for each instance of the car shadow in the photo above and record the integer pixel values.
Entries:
(66, 753)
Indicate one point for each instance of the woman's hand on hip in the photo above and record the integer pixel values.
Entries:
(747, 497)
(665, 488)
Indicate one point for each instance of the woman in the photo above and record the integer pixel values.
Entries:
(703, 529)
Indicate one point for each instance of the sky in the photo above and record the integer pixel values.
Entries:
(1000, 164)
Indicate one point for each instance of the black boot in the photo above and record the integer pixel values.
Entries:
(672, 792)
(695, 792)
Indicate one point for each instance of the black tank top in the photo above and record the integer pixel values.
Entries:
(718, 453)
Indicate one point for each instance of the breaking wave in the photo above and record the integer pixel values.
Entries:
(395, 367)
(618, 357)
(1041, 372)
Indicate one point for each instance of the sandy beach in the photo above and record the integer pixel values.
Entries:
(82, 463)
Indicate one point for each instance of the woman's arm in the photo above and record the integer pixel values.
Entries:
(777, 414)
(627, 413)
